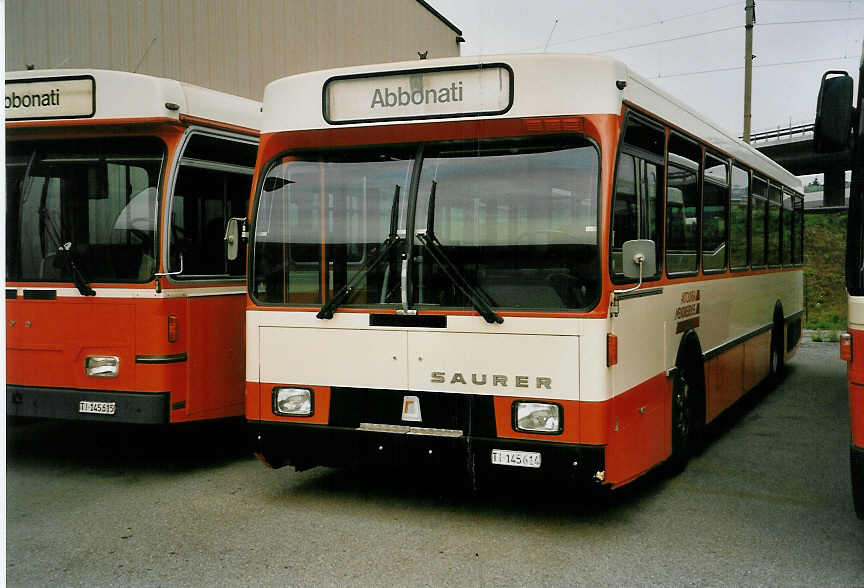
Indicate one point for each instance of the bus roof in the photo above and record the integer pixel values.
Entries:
(94, 94)
(502, 86)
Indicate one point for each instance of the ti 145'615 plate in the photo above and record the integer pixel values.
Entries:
(522, 459)
(93, 407)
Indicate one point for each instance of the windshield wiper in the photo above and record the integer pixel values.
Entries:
(480, 300)
(345, 292)
(77, 277)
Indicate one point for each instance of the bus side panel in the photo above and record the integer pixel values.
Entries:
(757, 358)
(856, 387)
(640, 436)
(724, 381)
(253, 402)
(216, 352)
(856, 413)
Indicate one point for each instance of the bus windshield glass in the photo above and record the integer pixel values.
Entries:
(511, 221)
(82, 210)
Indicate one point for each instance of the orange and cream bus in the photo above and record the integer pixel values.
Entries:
(528, 263)
(121, 304)
(836, 122)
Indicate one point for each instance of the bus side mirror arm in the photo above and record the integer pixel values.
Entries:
(638, 258)
(236, 232)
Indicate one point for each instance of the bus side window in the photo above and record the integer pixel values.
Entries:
(798, 230)
(758, 217)
(775, 202)
(682, 205)
(637, 209)
(213, 184)
(738, 231)
(715, 206)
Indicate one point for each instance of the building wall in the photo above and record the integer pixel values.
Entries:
(236, 46)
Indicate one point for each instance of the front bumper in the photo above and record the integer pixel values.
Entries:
(64, 403)
(304, 446)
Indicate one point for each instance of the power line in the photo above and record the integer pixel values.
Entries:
(669, 40)
(735, 68)
(646, 25)
(821, 20)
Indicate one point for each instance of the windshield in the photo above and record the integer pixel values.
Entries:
(511, 224)
(85, 207)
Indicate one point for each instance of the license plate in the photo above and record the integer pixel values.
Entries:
(522, 459)
(92, 407)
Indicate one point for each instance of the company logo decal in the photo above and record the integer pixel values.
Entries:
(50, 98)
(419, 94)
(687, 313)
(494, 380)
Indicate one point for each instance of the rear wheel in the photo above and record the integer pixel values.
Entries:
(777, 365)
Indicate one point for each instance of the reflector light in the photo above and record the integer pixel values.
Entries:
(172, 328)
(611, 350)
(846, 347)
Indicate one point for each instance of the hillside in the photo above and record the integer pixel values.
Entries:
(824, 282)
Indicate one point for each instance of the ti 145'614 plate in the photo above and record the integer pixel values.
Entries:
(522, 459)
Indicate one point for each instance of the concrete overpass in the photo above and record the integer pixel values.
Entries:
(792, 148)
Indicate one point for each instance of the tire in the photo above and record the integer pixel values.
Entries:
(777, 363)
(682, 421)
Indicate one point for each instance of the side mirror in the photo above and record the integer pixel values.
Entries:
(639, 258)
(833, 125)
(235, 233)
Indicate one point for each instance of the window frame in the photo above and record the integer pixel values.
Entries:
(178, 162)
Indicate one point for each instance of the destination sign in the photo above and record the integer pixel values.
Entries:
(50, 98)
(419, 94)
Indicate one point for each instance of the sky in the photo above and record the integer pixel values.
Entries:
(693, 49)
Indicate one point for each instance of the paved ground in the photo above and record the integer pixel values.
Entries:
(768, 502)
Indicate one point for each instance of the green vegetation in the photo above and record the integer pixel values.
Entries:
(824, 282)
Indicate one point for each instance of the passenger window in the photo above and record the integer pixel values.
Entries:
(637, 208)
(797, 230)
(715, 202)
(775, 203)
(682, 206)
(213, 184)
(738, 228)
(786, 220)
(758, 214)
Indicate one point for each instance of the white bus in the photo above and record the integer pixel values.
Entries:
(121, 304)
(521, 263)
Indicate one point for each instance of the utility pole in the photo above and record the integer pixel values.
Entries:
(748, 64)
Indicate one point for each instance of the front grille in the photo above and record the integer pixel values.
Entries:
(471, 414)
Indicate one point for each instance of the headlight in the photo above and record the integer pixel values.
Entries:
(102, 366)
(537, 417)
(292, 401)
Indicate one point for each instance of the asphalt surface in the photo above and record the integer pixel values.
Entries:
(767, 503)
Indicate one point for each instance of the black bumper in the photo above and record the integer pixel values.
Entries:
(306, 446)
(64, 403)
(856, 461)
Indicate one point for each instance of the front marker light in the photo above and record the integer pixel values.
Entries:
(537, 417)
(102, 366)
(292, 402)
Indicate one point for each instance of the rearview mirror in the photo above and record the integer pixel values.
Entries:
(234, 233)
(638, 258)
(833, 125)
